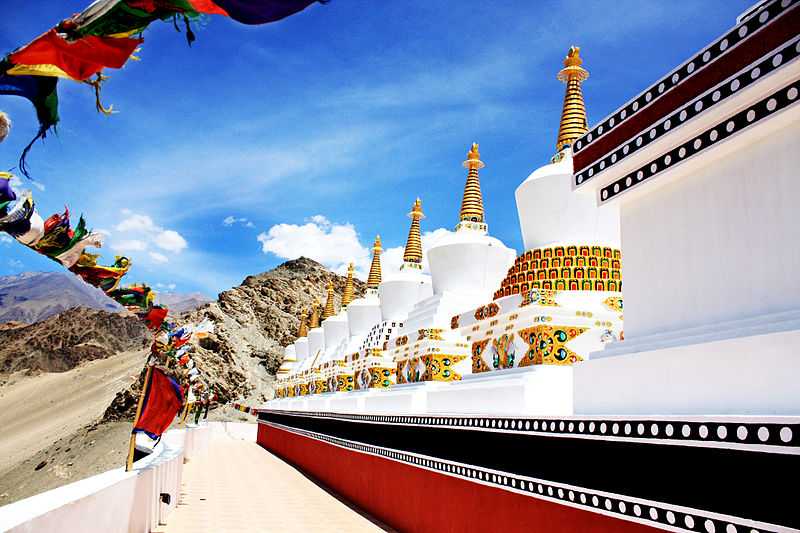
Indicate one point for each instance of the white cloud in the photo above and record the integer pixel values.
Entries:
(230, 220)
(139, 233)
(158, 258)
(170, 240)
(129, 245)
(321, 221)
(334, 245)
(136, 222)
(169, 286)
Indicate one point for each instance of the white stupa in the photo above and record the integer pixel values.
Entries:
(333, 325)
(289, 360)
(365, 312)
(466, 265)
(301, 344)
(550, 212)
(402, 291)
(316, 336)
(336, 327)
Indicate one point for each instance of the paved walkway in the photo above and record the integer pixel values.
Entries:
(238, 486)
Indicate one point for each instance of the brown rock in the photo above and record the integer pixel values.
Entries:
(255, 321)
(64, 341)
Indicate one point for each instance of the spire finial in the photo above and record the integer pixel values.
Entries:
(374, 278)
(573, 116)
(413, 251)
(302, 331)
(347, 296)
(329, 307)
(472, 202)
(314, 314)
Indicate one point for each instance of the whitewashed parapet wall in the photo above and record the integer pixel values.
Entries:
(115, 501)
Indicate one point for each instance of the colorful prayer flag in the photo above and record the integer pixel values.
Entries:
(7, 193)
(137, 299)
(78, 59)
(17, 219)
(41, 91)
(163, 400)
(155, 317)
(204, 329)
(262, 11)
(105, 278)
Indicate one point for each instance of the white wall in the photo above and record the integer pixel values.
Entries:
(720, 244)
(115, 501)
(750, 375)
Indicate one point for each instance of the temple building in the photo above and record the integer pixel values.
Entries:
(513, 382)
(480, 310)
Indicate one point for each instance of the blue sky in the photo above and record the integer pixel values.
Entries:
(313, 134)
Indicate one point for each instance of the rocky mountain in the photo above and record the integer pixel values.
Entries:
(181, 303)
(256, 320)
(34, 296)
(253, 323)
(63, 341)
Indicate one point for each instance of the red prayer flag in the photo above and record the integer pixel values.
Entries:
(155, 317)
(208, 7)
(162, 401)
(80, 59)
(177, 343)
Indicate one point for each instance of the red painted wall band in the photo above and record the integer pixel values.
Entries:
(763, 42)
(413, 499)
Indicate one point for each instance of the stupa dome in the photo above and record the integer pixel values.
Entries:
(551, 213)
(468, 260)
(365, 312)
(403, 290)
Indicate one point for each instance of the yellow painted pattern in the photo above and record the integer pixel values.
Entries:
(547, 345)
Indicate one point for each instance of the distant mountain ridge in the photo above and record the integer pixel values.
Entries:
(179, 303)
(60, 343)
(34, 296)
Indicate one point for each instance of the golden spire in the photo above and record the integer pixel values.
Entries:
(302, 331)
(573, 116)
(413, 251)
(374, 278)
(472, 203)
(347, 297)
(330, 310)
(314, 314)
